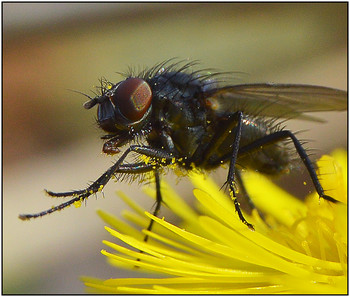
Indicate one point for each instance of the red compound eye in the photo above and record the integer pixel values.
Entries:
(133, 98)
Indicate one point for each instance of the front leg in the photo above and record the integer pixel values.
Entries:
(164, 157)
(158, 202)
(137, 168)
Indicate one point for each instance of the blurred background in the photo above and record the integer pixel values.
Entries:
(50, 141)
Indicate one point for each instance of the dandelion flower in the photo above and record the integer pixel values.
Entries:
(302, 249)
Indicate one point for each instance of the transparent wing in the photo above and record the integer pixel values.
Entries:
(279, 100)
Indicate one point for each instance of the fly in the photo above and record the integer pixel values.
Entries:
(176, 115)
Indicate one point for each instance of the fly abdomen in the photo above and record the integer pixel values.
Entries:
(269, 158)
(272, 158)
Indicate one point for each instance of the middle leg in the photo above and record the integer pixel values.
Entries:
(233, 124)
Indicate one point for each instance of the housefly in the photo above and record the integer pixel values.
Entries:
(170, 114)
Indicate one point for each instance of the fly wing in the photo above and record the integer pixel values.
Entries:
(278, 100)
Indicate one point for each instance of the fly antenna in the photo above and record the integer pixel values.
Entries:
(88, 104)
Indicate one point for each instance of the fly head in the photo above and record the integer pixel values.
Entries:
(123, 111)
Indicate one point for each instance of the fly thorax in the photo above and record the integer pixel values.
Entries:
(178, 105)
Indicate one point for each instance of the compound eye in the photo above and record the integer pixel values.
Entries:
(133, 98)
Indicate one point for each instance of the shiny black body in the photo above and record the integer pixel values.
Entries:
(183, 117)
(181, 112)
(186, 125)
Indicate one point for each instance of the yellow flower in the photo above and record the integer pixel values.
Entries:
(302, 249)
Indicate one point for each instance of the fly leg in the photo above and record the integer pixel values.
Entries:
(232, 125)
(166, 158)
(142, 168)
(281, 135)
(80, 195)
(158, 202)
(246, 198)
(238, 118)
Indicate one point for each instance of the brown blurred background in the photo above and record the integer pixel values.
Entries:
(50, 141)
